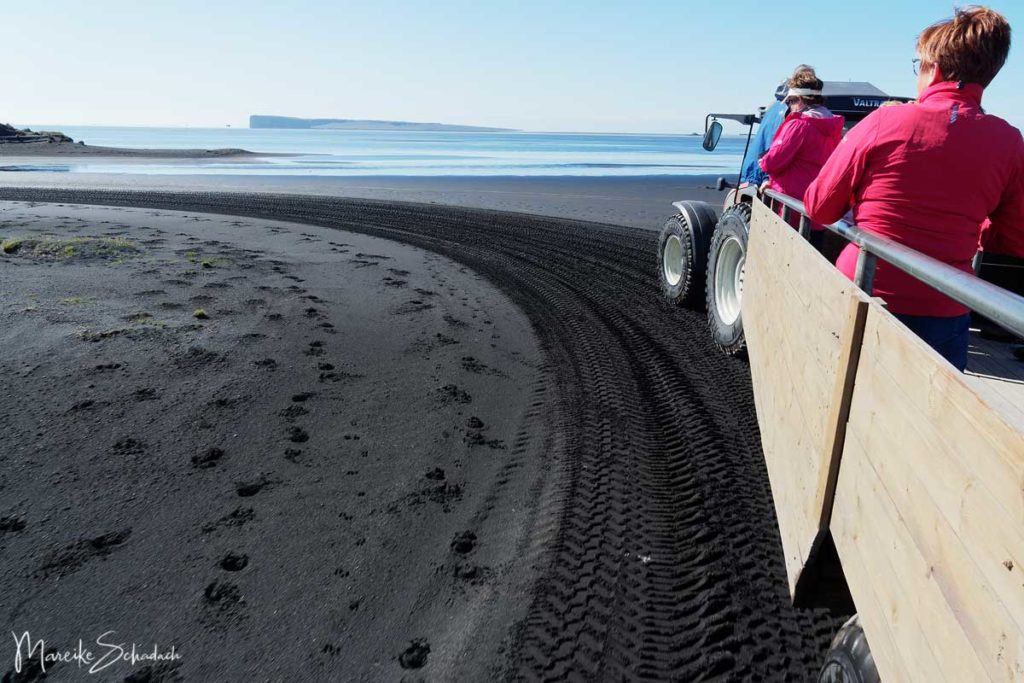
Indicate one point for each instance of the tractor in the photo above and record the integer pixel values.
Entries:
(701, 251)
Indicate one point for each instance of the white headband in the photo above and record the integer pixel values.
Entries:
(802, 92)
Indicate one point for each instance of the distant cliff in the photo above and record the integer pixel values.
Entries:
(257, 121)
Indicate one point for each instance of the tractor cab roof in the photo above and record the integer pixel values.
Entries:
(853, 100)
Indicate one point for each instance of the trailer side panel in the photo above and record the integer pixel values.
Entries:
(928, 516)
(803, 321)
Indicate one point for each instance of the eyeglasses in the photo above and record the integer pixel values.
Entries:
(917, 65)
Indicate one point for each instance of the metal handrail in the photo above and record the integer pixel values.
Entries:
(1002, 307)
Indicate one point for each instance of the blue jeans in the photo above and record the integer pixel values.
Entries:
(948, 336)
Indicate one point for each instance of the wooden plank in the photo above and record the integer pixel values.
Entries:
(893, 595)
(783, 369)
(872, 612)
(797, 375)
(970, 422)
(839, 409)
(1007, 395)
(903, 572)
(945, 486)
(928, 501)
(798, 316)
(992, 364)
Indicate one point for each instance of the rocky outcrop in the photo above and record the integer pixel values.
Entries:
(10, 134)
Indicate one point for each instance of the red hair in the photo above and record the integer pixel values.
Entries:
(971, 47)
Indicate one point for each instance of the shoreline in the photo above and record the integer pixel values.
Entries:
(632, 201)
(61, 150)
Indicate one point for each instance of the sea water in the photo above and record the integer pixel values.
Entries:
(400, 153)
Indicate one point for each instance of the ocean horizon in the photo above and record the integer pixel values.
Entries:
(338, 153)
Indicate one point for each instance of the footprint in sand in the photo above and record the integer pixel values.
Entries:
(106, 367)
(414, 656)
(73, 556)
(412, 306)
(208, 458)
(464, 543)
(471, 364)
(128, 446)
(222, 596)
(10, 524)
(474, 435)
(251, 488)
(338, 376)
(235, 518)
(145, 393)
(292, 412)
(467, 572)
(234, 562)
(450, 393)
(297, 435)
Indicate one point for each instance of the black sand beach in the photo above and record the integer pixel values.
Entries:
(639, 202)
(520, 463)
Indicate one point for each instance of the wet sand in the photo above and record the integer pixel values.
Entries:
(640, 202)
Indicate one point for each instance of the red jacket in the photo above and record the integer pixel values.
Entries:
(799, 149)
(927, 175)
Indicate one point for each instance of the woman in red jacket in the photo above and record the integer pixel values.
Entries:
(928, 174)
(804, 141)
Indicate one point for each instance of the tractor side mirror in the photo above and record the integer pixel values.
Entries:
(712, 136)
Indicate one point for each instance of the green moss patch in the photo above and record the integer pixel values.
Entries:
(110, 249)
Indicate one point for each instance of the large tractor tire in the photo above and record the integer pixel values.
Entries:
(849, 659)
(727, 256)
(683, 252)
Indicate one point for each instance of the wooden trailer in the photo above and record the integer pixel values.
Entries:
(875, 443)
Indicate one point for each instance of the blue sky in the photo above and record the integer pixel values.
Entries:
(567, 65)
